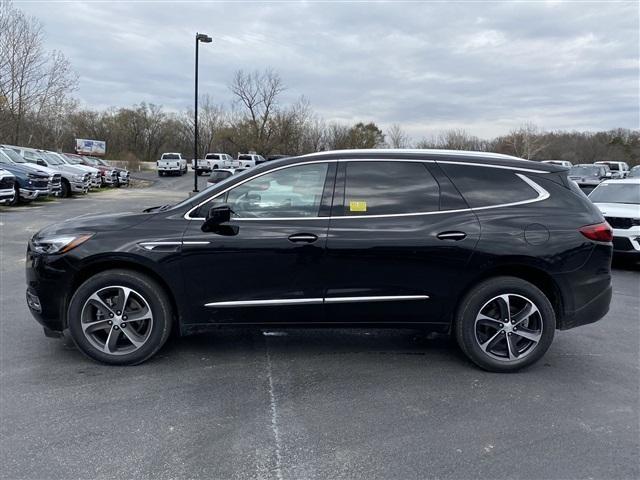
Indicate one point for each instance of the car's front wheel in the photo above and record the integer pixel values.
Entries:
(120, 317)
(504, 324)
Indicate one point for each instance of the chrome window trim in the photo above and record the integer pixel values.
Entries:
(542, 193)
(314, 301)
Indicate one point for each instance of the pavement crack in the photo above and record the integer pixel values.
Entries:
(274, 414)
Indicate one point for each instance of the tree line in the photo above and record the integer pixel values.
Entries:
(37, 109)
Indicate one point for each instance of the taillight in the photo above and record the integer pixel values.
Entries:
(600, 232)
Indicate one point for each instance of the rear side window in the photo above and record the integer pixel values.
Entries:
(245, 157)
(487, 186)
(212, 156)
(383, 188)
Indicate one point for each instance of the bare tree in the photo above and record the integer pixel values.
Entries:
(526, 141)
(30, 79)
(258, 94)
(397, 137)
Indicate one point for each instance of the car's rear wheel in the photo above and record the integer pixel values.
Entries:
(120, 317)
(504, 324)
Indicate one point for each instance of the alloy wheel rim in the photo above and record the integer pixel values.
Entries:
(508, 327)
(116, 320)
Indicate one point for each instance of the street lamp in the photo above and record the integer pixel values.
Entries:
(200, 37)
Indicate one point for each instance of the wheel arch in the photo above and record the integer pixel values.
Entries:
(99, 266)
(534, 275)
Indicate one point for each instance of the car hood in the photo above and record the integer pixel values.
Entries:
(97, 223)
(624, 210)
(86, 168)
(47, 170)
(23, 168)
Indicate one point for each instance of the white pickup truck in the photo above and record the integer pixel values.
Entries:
(214, 161)
(248, 160)
(171, 163)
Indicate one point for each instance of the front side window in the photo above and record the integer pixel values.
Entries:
(287, 193)
(387, 188)
(486, 186)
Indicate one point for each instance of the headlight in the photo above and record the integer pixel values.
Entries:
(58, 243)
(78, 178)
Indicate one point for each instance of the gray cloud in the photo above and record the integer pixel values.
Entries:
(486, 67)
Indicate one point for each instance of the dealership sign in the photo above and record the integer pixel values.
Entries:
(90, 147)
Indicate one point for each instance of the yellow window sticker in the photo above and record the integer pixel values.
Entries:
(357, 206)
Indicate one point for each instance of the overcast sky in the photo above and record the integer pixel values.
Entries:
(428, 66)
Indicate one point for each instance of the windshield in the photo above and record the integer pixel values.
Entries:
(4, 159)
(616, 193)
(13, 155)
(585, 171)
(91, 161)
(206, 193)
(216, 176)
(73, 160)
(612, 166)
(51, 158)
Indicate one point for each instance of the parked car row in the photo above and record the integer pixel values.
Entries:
(174, 163)
(619, 202)
(27, 174)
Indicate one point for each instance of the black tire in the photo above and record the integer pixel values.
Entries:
(16, 196)
(498, 358)
(149, 290)
(65, 191)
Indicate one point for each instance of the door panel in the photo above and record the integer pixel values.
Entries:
(265, 264)
(258, 264)
(397, 255)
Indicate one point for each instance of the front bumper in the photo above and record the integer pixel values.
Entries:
(49, 286)
(79, 187)
(32, 194)
(7, 194)
(626, 241)
(110, 180)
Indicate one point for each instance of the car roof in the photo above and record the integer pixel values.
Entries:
(633, 180)
(457, 156)
(224, 170)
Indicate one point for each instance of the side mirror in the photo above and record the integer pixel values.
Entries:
(216, 216)
(41, 162)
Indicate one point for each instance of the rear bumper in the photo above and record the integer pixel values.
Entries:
(593, 311)
(586, 291)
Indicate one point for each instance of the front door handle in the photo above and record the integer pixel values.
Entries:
(303, 238)
(452, 236)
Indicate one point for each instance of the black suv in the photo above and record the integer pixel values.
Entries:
(496, 250)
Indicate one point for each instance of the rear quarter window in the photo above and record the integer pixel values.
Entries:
(488, 186)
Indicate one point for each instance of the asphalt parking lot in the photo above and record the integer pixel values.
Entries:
(308, 403)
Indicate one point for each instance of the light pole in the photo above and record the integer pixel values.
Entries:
(200, 37)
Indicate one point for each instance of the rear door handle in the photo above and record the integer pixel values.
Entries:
(303, 238)
(452, 236)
